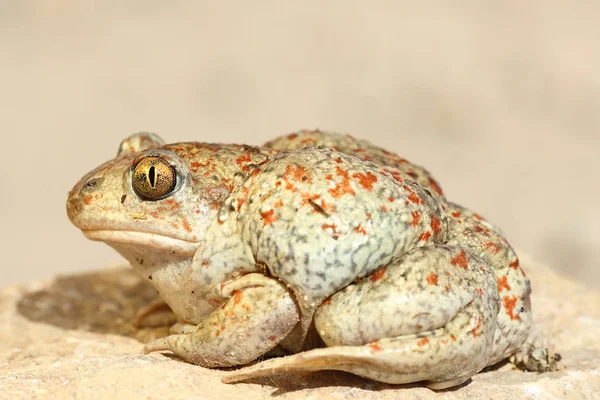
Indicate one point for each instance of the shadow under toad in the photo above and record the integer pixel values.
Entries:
(104, 302)
(108, 302)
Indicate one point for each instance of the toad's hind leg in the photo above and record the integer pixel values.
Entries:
(428, 316)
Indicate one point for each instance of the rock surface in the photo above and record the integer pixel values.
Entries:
(73, 338)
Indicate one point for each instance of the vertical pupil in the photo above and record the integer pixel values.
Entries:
(152, 176)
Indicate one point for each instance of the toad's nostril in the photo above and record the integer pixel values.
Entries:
(92, 184)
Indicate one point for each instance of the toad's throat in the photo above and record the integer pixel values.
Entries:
(146, 240)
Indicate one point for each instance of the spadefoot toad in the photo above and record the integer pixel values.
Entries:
(316, 235)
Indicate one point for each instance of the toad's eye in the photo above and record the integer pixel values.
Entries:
(153, 178)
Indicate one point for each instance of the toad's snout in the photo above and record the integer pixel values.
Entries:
(82, 196)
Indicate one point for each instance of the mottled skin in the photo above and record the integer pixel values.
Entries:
(314, 232)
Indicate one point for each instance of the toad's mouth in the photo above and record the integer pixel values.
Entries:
(143, 239)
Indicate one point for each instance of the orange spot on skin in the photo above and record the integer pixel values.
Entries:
(391, 199)
(329, 177)
(369, 215)
(474, 330)
(503, 283)
(242, 200)
(240, 203)
(333, 227)
(263, 162)
(422, 342)
(272, 338)
(460, 260)
(295, 174)
(416, 218)
(481, 229)
(447, 288)
(300, 174)
(366, 180)
(395, 174)
(228, 183)
(155, 214)
(342, 187)
(425, 237)
(208, 165)
(383, 208)
(453, 338)
(242, 159)
(435, 224)
(444, 341)
(307, 196)
(378, 275)
(326, 301)
(237, 297)
(509, 303)
(456, 214)
(186, 226)
(360, 229)
(87, 199)
(327, 207)
(278, 203)
(174, 225)
(338, 160)
(375, 348)
(414, 198)
(255, 173)
(480, 291)
(491, 248)
(172, 204)
(514, 265)
(432, 278)
(268, 217)
(219, 331)
(435, 186)
(477, 217)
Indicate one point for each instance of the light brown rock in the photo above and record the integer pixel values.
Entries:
(73, 338)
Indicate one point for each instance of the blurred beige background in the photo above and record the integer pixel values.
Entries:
(500, 100)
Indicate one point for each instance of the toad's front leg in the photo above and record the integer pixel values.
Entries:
(258, 314)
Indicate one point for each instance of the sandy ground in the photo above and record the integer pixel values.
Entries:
(500, 101)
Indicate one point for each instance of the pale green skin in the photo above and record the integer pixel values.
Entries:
(255, 244)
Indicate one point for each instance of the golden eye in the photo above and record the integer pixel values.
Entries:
(153, 178)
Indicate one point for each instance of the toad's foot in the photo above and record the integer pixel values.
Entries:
(258, 314)
(537, 355)
(442, 343)
(157, 313)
